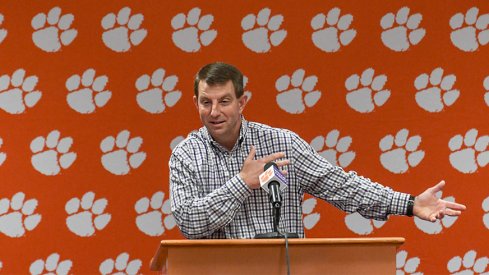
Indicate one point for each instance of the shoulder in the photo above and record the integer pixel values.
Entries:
(195, 141)
(263, 129)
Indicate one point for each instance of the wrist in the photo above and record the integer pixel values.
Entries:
(410, 206)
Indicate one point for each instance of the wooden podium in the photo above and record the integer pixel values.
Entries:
(267, 256)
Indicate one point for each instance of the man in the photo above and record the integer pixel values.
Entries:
(214, 186)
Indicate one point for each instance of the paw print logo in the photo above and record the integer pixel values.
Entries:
(150, 221)
(87, 216)
(3, 32)
(337, 33)
(17, 92)
(360, 225)
(3, 156)
(469, 152)
(401, 30)
(292, 99)
(439, 93)
(436, 227)
(123, 31)
(470, 264)
(334, 149)
(52, 265)
(176, 141)
(192, 31)
(486, 86)
(309, 218)
(247, 93)
(366, 92)
(121, 154)
(400, 153)
(53, 31)
(17, 215)
(405, 265)
(52, 153)
(262, 32)
(157, 92)
(120, 266)
(467, 37)
(86, 93)
(485, 207)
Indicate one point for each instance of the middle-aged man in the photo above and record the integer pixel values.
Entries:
(214, 185)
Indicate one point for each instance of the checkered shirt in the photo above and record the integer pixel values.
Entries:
(210, 200)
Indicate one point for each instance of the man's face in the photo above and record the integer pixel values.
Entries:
(220, 111)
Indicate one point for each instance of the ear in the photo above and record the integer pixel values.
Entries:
(242, 103)
(196, 102)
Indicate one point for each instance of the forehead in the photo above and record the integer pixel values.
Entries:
(217, 90)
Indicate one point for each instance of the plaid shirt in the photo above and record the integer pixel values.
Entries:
(210, 200)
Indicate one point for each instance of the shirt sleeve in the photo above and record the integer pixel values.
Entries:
(345, 190)
(197, 214)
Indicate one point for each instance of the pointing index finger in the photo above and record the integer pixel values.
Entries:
(273, 157)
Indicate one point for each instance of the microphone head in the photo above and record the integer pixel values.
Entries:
(269, 164)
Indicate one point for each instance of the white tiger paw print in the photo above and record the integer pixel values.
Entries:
(337, 33)
(175, 141)
(405, 265)
(157, 92)
(486, 86)
(90, 95)
(467, 37)
(309, 218)
(360, 225)
(123, 31)
(404, 33)
(469, 152)
(436, 227)
(247, 93)
(3, 32)
(262, 32)
(400, 153)
(90, 218)
(470, 264)
(120, 266)
(150, 220)
(121, 154)
(439, 94)
(485, 207)
(52, 153)
(292, 99)
(3, 156)
(52, 265)
(17, 92)
(370, 94)
(17, 216)
(192, 31)
(334, 149)
(56, 33)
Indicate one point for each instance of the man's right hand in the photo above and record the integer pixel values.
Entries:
(253, 168)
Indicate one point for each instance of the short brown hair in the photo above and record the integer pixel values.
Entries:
(219, 73)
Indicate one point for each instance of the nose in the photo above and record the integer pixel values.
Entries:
(215, 111)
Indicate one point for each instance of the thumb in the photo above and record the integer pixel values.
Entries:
(438, 187)
(252, 153)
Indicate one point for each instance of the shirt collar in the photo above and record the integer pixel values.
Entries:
(242, 135)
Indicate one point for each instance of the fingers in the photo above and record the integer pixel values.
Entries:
(439, 186)
(252, 153)
(451, 212)
(273, 157)
(281, 163)
(454, 205)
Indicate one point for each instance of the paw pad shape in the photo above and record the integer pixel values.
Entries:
(366, 92)
(435, 90)
(121, 154)
(485, 207)
(86, 216)
(469, 264)
(3, 32)
(469, 152)
(486, 86)
(3, 156)
(17, 215)
(157, 92)
(192, 31)
(309, 218)
(17, 92)
(52, 31)
(332, 31)
(123, 31)
(121, 265)
(401, 152)
(401, 30)
(405, 265)
(334, 149)
(150, 215)
(262, 32)
(86, 93)
(436, 227)
(52, 153)
(52, 265)
(360, 225)
(292, 99)
(469, 31)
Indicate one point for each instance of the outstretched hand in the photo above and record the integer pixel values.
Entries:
(428, 207)
(252, 168)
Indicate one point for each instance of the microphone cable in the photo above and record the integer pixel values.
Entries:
(287, 258)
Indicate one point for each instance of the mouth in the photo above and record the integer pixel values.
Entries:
(216, 123)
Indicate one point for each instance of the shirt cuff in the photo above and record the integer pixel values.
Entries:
(399, 203)
(238, 188)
